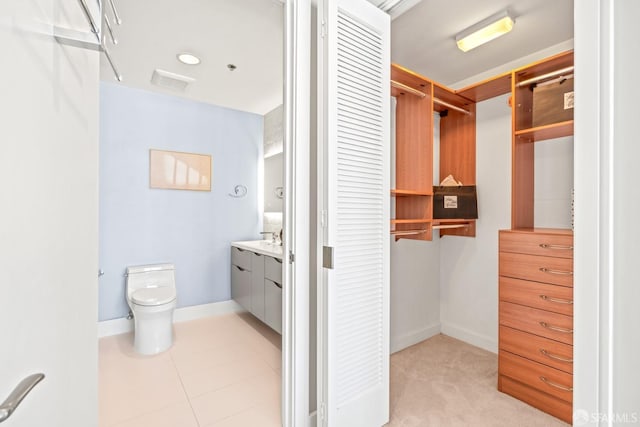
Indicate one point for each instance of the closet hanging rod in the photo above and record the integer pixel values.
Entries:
(422, 95)
(453, 107)
(407, 232)
(441, 227)
(408, 89)
(557, 79)
(545, 76)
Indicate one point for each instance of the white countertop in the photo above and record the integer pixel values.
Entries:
(264, 247)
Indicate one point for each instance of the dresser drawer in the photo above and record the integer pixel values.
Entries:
(241, 258)
(542, 350)
(273, 269)
(538, 322)
(543, 378)
(558, 299)
(543, 401)
(553, 245)
(558, 271)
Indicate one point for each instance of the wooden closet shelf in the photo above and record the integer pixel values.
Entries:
(540, 133)
(400, 193)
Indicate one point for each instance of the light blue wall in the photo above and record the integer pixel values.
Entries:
(192, 229)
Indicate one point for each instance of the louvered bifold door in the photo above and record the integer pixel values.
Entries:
(357, 141)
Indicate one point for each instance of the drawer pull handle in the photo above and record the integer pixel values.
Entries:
(556, 300)
(555, 356)
(556, 328)
(239, 249)
(558, 272)
(239, 268)
(552, 384)
(279, 261)
(556, 247)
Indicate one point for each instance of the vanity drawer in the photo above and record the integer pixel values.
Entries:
(539, 322)
(558, 299)
(273, 269)
(558, 271)
(543, 378)
(241, 258)
(241, 286)
(542, 350)
(552, 245)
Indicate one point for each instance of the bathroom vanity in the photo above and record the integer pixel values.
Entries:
(256, 280)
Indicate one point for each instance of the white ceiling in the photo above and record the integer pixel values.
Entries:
(423, 39)
(249, 34)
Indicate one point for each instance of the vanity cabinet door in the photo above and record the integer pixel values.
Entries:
(273, 305)
(241, 286)
(257, 285)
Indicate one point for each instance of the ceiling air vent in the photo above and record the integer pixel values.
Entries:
(171, 80)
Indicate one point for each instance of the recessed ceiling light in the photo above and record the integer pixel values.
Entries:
(188, 58)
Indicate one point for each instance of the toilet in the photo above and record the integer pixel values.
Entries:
(151, 295)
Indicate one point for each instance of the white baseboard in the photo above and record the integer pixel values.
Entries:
(123, 325)
(414, 337)
(194, 312)
(470, 337)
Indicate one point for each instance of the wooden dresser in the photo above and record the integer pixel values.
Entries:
(536, 318)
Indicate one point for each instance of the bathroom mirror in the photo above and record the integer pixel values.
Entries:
(273, 183)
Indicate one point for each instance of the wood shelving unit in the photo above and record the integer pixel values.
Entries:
(457, 151)
(536, 263)
(418, 98)
(525, 133)
(413, 194)
(540, 133)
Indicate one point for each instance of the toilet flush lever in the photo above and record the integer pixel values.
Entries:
(100, 273)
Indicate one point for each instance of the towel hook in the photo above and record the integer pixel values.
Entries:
(239, 191)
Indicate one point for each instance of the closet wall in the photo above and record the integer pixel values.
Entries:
(469, 266)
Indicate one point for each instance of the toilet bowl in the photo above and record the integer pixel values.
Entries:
(151, 295)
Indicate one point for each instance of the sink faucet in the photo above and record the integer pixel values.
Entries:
(274, 235)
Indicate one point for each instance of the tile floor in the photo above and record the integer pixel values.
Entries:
(222, 371)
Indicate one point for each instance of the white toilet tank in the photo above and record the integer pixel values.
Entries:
(150, 276)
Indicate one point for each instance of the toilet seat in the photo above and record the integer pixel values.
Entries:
(154, 296)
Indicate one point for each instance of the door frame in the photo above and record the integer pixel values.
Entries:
(296, 242)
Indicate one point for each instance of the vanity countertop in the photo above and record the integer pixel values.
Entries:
(263, 247)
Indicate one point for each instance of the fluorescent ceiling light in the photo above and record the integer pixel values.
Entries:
(188, 58)
(485, 31)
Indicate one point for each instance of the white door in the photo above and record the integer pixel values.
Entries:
(48, 215)
(354, 139)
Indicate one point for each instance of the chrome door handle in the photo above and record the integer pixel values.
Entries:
(20, 392)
